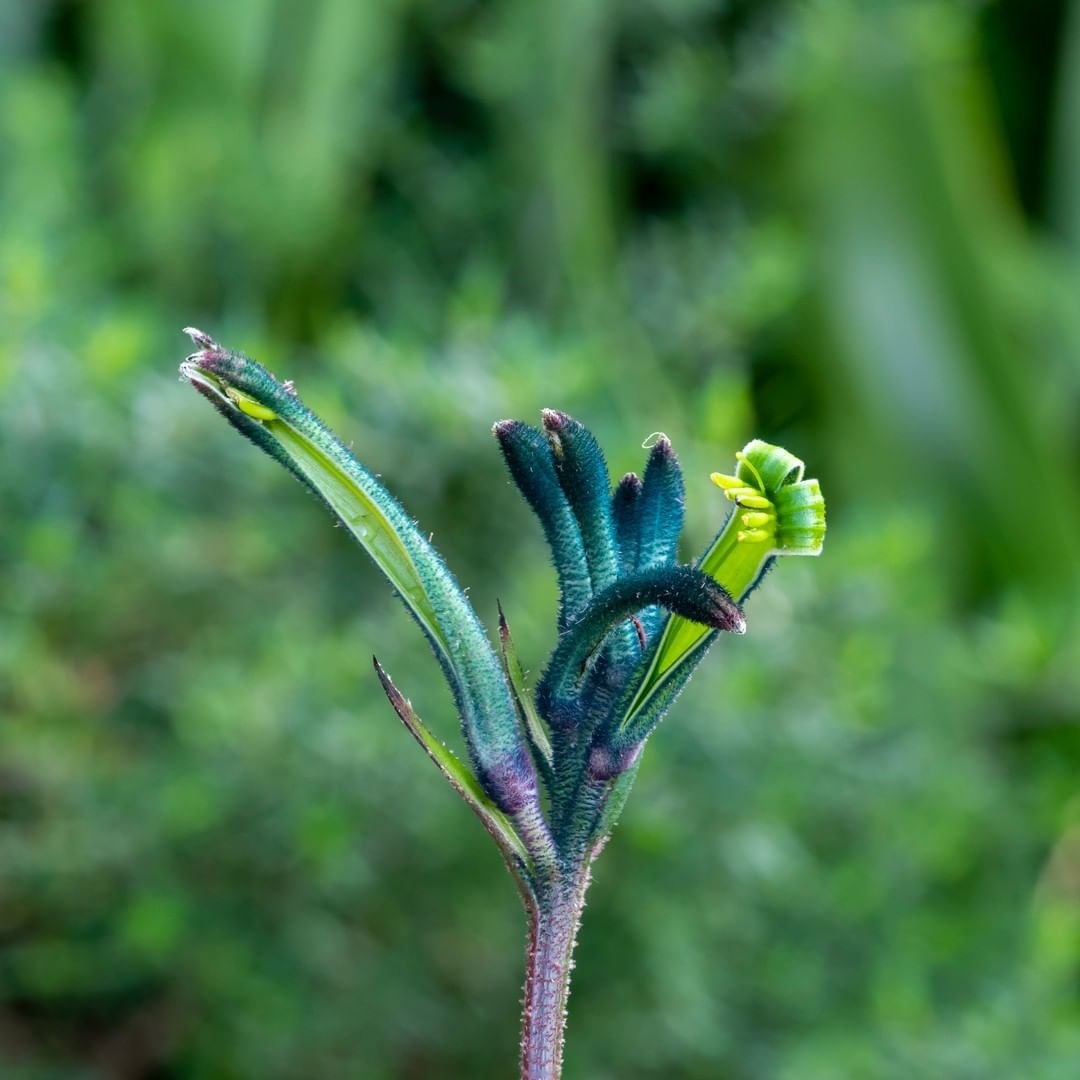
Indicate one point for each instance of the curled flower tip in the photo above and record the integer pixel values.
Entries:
(800, 511)
(774, 505)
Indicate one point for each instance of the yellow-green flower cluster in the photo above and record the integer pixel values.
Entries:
(775, 506)
(776, 512)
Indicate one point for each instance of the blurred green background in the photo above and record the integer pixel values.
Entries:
(849, 227)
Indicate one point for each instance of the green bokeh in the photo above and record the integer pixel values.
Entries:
(849, 227)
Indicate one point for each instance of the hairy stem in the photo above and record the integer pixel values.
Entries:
(553, 927)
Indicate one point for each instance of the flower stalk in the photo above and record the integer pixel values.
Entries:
(549, 961)
(548, 773)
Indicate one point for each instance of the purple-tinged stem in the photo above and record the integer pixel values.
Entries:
(553, 927)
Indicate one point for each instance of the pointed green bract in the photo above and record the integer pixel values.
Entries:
(461, 780)
(539, 741)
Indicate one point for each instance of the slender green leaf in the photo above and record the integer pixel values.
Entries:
(461, 780)
(534, 726)
(272, 415)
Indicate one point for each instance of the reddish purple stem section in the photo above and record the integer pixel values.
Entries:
(553, 928)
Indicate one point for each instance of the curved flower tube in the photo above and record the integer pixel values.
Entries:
(272, 416)
(776, 512)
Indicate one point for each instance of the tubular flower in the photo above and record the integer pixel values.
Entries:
(776, 512)
(774, 506)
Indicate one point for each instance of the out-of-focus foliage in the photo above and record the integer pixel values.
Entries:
(850, 227)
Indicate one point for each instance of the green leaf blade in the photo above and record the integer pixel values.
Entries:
(461, 779)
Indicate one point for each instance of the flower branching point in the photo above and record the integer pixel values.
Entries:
(548, 771)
